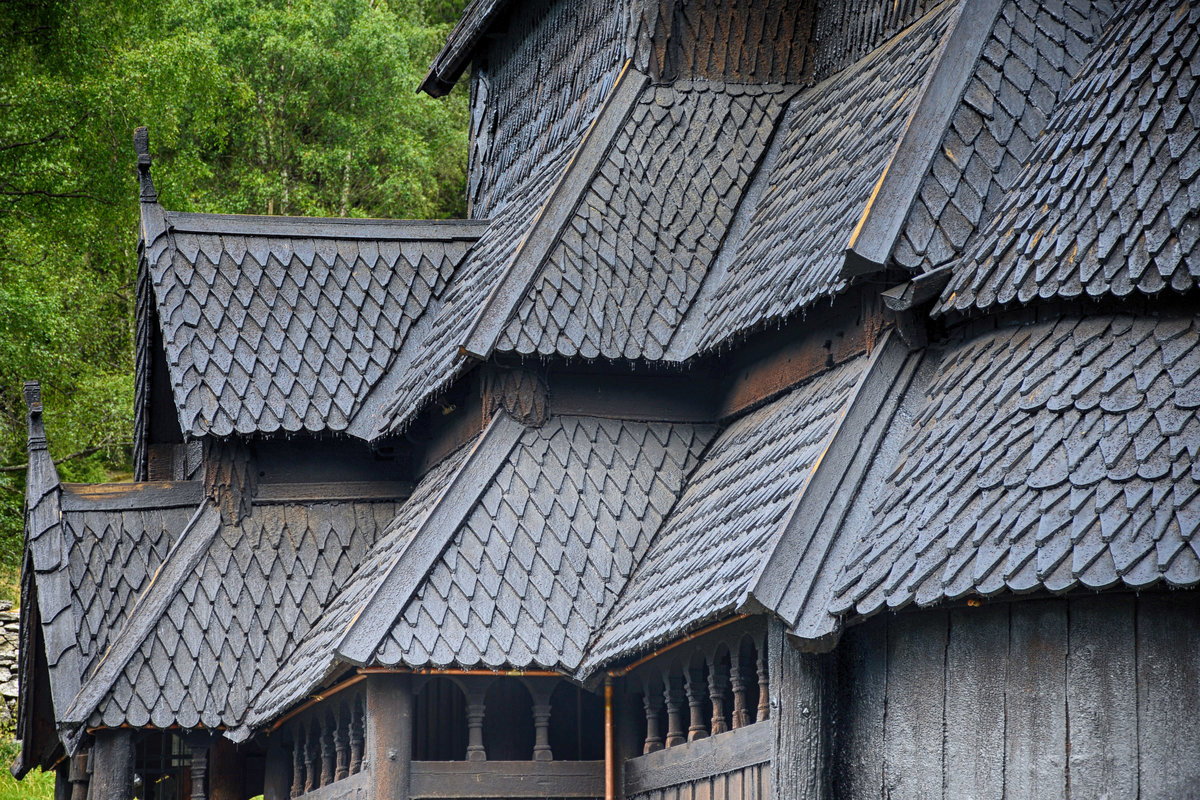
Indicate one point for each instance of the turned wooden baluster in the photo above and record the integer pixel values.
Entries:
(357, 721)
(297, 766)
(327, 763)
(342, 745)
(199, 772)
(475, 713)
(312, 758)
(718, 681)
(541, 720)
(764, 701)
(697, 687)
(674, 698)
(737, 683)
(652, 699)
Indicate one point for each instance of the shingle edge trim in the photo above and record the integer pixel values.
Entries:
(410, 568)
(871, 243)
(544, 233)
(803, 538)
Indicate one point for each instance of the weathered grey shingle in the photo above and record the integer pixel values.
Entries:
(1032, 53)
(252, 595)
(542, 556)
(645, 232)
(838, 137)
(1047, 456)
(285, 324)
(1109, 202)
(731, 511)
(314, 658)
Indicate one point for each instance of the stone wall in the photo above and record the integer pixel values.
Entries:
(10, 632)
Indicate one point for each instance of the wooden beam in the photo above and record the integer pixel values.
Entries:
(506, 779)
(112, 765)
(389, 734)
(131, 496)
(324, 492)
(802, 698)
(703, 758)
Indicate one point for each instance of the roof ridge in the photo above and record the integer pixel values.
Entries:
(325, 227)
(191, 545)
(542, 235)
(874, 237)
(802, 536)
(435, 532)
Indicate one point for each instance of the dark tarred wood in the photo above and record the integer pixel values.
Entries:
(976, 668)
(1036, 728)
(112, 765)
(1168, 675)
(389, 733)
(802, 695)
(912, 734)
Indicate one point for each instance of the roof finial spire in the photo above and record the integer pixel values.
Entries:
(141, 144)
(37, 429)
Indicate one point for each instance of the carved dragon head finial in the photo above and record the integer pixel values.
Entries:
(141, 145)
(37, 429)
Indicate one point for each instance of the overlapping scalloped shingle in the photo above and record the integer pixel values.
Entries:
(648, 228)
(1109, 203)
(290, 331)
(837, 139)
(251, 598)
(313, 659)
(1033, 52)
(1048, 456)
(542, 555)
(731, 511)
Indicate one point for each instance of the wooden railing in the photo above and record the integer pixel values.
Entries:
(326, 745)
(506, 779)
(735, 765)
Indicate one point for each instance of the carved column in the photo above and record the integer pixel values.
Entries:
(199, 751)
(764, 700)
(540, 692)
(298, 764)
(77, 775)
(697, 687)
(312, 757)
(673, 697)
(327, 763)
(112, 765)
(389, 734)
(737, 683)
(475, 713)
(717, 683)
(357, 735)
(342, 744)
(652, 700)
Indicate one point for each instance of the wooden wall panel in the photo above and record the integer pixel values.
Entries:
(1168, 675)
(915, 703)
(1102, 698)
(1095, 696)
(750, 783)
(1035, 743)
(976, 672)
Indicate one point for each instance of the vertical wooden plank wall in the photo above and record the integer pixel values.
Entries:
(1096, 696)
(751, 783)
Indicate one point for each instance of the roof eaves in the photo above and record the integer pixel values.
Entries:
(449, 64)
(798, 565)
(533, 250)
(44, 541)
(874, 237)
(441, 230)
(192, 544)
(406, 574)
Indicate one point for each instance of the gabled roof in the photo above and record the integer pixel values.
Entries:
(228, 605)
(1109, 202)
(277, 323)
(730, 514)
(1028, 60)
(837, 140)
(1045, 456)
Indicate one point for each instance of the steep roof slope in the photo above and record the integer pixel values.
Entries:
(838, 137)
(1046, 456)
(1109, 202)
(275, 323)
(731, 511)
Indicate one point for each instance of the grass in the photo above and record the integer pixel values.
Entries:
(37, 785)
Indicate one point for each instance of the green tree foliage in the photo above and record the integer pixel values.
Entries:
(303, 107)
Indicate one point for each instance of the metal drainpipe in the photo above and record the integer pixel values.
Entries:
(610, 757)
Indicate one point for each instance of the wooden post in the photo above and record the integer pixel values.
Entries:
(697, 688)
(717, 683)
(540, 691)
(199, 769)
(801, 694)
(652, 700)
(673, 696)
(226, 771)
(389, 734)
(77, 775)
(277, 782)
(475, 713)
(112, 765)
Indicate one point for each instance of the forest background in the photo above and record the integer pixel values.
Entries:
(301, 107)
